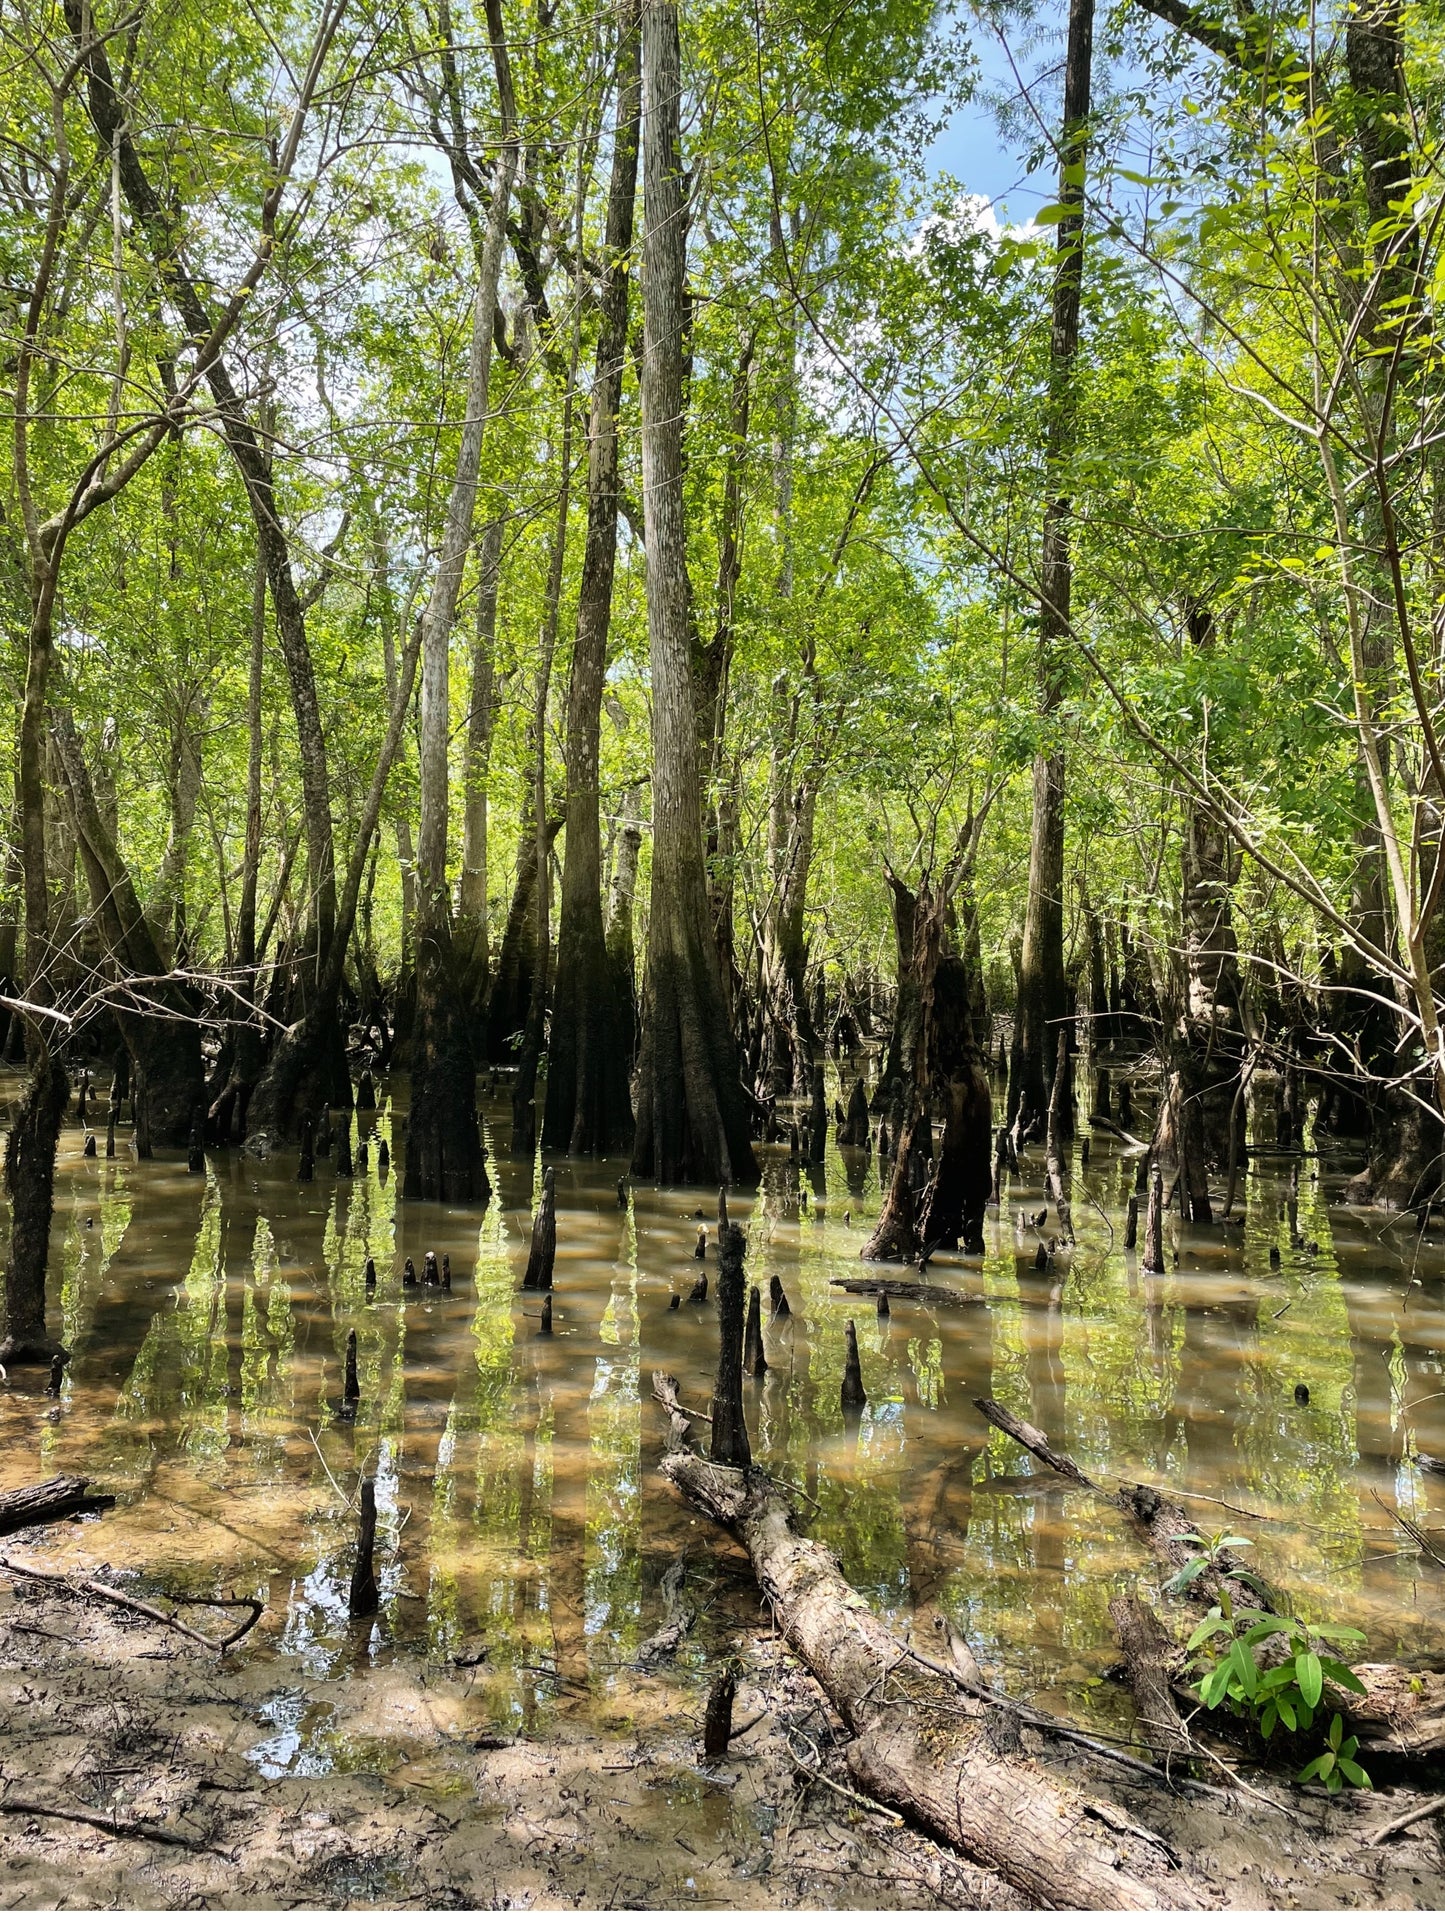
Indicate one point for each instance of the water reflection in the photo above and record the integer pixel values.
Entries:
(523, 1527)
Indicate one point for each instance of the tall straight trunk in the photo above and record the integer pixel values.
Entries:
(443, 1139)
(589, 1106)
(311, 1067)
(1043, 990)
(692, 1117)
(471, 932)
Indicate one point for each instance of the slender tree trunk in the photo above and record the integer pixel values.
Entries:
(692, 1118)
(473, 954)
(589, 1107)
(443, 1139)
(1043, 999)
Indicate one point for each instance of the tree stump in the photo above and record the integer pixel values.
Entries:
(729, 1428)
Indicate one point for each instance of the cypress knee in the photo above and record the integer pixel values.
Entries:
(729, 1429)
(351, 1391)
(57, 1375)
(544, 1236)
(408, 1274)
(699, 1248)
(366, 1091)
(1131, 1221)
(544, 1327)
(363, 1158)
(343, 1150)
(778, 1299)
(431, 1274)
(89, 1149)
(1154, 1227)
(853, 1394)
(369, 1276)
(755, 1360)
(717, 1728)
(110, 1137)
(383, 1158)
(699, 1288)
(884, 1311)
(306, 1167)
(365, 1597)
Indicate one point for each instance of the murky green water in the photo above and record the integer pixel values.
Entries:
(521, 1510)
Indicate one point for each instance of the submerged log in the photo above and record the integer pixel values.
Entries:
(53, 1500)
(678, 1616)
(1153, 1660)
(1401, 1712)
(920, 1743)
(543, 1252)
(926, 1292)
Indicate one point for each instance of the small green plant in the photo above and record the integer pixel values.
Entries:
(1288, 1691)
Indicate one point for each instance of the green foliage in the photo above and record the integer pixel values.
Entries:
(1270, 1669)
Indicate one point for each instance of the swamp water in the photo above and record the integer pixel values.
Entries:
(524, 1529)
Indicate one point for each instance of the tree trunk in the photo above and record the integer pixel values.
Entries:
(443, 1136)
(165, 1046)
(692, 1118)
(589, 1105)
(473, 954)
(1043, 990)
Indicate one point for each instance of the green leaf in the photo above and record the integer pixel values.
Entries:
(1341, 1675)
(1286, 1712)
(1247, 1674)
(1314, 1771)
(1310, 1676)
(1206, 1630)
(1354, 1773)
(1187, 1575)
(1268, 1718)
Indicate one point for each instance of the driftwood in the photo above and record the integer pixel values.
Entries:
(1400, 1712)
(52, 1500)
(919, 1743)
(900, 1291)
(98, 1591)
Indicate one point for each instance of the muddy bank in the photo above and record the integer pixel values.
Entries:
(419, 1801)
(116, 1718)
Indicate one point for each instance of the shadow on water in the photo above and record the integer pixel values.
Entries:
(522, 1522)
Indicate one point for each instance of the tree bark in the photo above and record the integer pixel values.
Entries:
(443, 1138)
(692, 1118)
(472, 929)
(589, 1105)
(1043, 989)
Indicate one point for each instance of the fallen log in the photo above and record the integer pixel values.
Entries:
(53, 1500)
(919, 1743)
(1401, 1712)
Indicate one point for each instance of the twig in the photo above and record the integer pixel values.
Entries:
(1422, 1812)
(97, 1590)
(858, 1799)
(347, 1501)
(1416, 1533)
(113, 1825)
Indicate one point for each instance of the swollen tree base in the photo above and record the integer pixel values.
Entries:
(443, 1139)
(30, 1184)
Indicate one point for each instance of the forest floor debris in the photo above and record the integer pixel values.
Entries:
(107, 1717)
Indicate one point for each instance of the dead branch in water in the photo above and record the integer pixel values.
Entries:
(98, 1591)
